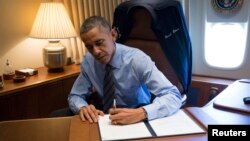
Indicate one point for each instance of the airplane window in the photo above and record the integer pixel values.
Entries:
(225, 44)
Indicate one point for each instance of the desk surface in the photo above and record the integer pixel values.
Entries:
(73, 129)
(46, 129)
(42, 77)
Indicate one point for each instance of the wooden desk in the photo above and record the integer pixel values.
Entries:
(64, 129)
(73, 129)
(43, 77)
(80, 131)
(38, 96)
(46, 129)
(211, 114)
(205, 115)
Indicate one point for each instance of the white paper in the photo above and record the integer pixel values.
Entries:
(120, 132)
(28, 70)
(177, 124)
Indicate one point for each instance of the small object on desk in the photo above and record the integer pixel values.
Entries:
(1, 82)
(27, 72)
(8, 76)
(8, 71)
(246, 100)
(19, 78)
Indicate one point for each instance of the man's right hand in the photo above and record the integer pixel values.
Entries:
(90, 113)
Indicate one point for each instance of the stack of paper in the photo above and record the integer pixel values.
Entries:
(177, 124)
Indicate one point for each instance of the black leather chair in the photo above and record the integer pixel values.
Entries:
(141, 36)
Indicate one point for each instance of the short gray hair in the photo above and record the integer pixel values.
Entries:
(95, 21)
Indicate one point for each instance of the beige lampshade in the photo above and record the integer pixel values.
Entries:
(52, 22)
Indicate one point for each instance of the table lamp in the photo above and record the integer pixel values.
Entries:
(53, 23)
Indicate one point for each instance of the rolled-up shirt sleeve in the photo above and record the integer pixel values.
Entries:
(79, 93)
(168, 97)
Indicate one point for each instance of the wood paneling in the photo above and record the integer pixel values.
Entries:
(203, 89)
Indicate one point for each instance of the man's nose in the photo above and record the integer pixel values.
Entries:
(96, 50)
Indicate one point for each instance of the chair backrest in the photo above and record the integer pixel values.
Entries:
(141, 36)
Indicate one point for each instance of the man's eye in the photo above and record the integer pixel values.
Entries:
(99, 42)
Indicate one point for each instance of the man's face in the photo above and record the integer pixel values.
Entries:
(101, 44)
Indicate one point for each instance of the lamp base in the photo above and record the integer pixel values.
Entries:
(54, 56)
(55, 70)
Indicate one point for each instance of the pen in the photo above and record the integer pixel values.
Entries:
(114, 106)
(114, 103)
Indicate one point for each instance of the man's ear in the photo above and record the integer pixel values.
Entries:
(114, 34)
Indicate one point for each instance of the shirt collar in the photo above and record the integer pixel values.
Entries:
(116, 59)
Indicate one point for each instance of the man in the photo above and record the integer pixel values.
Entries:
(134, 74)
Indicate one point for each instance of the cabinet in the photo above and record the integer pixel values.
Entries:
(38, 96)
(203, 89)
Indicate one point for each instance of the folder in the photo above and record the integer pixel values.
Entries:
(180, 123)
(232, 97)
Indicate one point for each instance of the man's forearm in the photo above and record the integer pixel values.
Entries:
(163, 106)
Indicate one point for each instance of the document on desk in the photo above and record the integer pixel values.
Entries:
(177, 124)
(121, 132)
